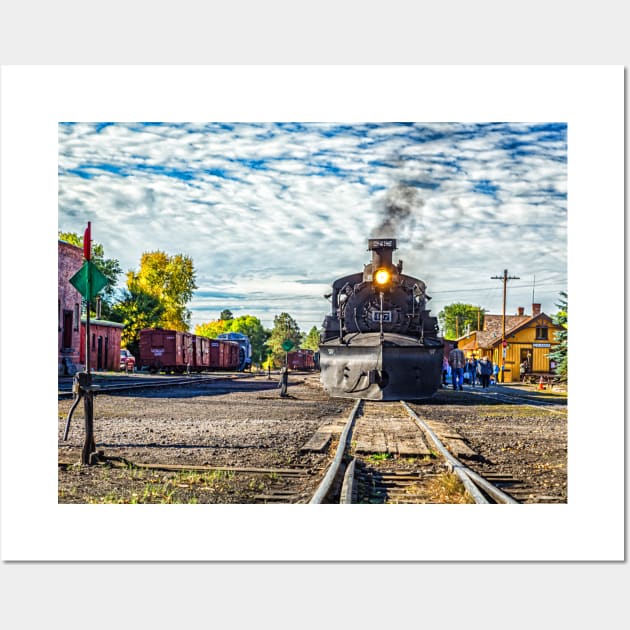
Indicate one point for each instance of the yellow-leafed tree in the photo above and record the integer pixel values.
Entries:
(170, 279)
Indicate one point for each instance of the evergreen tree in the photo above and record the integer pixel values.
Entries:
(560, 353)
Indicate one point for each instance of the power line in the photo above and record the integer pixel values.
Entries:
(522, 286)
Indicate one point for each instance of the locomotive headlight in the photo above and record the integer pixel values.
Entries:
(382, 277)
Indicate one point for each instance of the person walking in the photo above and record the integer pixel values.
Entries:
(471, 368)
(484, 369)
(457, 362)
(445, 370)
(495, 373)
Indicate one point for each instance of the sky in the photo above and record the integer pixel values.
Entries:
(272, 213)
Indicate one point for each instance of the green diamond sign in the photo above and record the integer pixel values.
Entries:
(88, 281)
(287, 345)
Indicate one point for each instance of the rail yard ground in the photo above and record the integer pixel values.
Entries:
(238, 441)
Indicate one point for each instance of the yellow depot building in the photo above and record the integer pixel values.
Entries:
(529, 340)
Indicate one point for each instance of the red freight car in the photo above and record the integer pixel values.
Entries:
(301, 360)
(203, 353)
(224, 355)
(164, 350)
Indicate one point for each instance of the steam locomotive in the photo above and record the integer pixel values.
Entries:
(379, 341)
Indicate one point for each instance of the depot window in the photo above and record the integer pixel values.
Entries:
(542, 332)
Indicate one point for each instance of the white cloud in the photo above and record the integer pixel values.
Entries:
(261, 206)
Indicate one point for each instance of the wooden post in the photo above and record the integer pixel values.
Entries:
(505, 278)
(89, 446)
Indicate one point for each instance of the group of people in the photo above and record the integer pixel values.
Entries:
(480, 371)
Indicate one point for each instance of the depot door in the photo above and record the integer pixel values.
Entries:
(99, 354)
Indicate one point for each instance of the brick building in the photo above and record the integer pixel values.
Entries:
(104, 344)
(105, 335)
(70, 259)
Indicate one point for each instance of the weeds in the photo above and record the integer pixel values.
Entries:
(379, 457)
(447, 488)
(134, 485)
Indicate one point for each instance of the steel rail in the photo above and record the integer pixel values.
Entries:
(333, 469)
(348, 483)
(515, 398)
(104, 389)
(465, 474)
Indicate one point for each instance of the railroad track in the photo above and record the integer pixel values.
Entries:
(267, 484)
(516, 398)
(106, 385)
(387, 454)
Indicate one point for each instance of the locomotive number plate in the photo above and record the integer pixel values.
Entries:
(386, 316)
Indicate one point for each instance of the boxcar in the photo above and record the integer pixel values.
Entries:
(166, 350)
(224, 354)
(203, 354)
(245, 352)
(163, 350)
(301, 360)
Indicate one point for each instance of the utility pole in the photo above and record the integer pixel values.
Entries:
(505, 278)
(533, 290)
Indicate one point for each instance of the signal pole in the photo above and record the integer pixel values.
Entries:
(505, 278)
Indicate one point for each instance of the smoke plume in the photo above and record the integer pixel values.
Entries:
(401, 208)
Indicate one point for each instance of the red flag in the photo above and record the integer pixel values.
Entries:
(87, 242)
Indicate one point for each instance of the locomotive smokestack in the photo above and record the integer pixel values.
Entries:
(382, 250)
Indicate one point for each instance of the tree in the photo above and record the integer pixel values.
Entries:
(560, 353)
(284, 328)
(457, 319)
(109, 267)
(136, 310)
(170, 279)
(226, 314)
(246, 325)
(212, 329)
(311, 341)
(253, 328)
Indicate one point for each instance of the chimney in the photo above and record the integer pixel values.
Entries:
(535, 309)
(521, 311)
